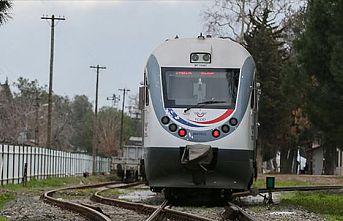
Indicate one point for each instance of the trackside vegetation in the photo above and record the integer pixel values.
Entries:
(328, 205)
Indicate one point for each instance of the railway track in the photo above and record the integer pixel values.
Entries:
(84, 210)
(155, 212)
(163, 211)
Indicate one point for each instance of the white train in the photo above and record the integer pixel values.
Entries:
(200, 116)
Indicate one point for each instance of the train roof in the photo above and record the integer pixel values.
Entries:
(224, 52)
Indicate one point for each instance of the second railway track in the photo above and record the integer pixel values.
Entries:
(153, 212)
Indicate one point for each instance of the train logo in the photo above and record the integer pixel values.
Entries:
(200, 114)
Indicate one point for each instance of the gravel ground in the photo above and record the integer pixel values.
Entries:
(262, 213)
(276, 212)
(208, 212)
(253, 205)
(256, 207)
(29, 206)
(116, 213)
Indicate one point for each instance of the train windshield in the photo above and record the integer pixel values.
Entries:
(203, 88)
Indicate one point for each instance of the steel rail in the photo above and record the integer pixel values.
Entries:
(285, 189)
(234, 212)
(84, 210)
(147, 209)
(157, 213)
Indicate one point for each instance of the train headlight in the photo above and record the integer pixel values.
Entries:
(215, 133)
(194, 57)
(225, 128)
(233, 121)
(165, 120)
(200, 58)
(182, 132)
(172, 127)
(206, 57)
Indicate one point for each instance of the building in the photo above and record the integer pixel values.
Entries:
(339, 167)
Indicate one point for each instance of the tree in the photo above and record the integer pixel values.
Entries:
(5, 6)
(109, 130)
(61, 123)
(320, 52)
(28, 113)
(81, 121)
(232, 17)
(263, 43)
(7, 114)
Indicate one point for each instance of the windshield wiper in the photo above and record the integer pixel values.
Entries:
(200, 104)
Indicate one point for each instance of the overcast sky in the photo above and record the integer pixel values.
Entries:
(117, 34)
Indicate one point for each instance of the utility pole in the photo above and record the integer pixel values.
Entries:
(114, 99)
(52, 18)
(122, 116)
(95, 124)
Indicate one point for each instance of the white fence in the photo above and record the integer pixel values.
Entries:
(42, 163)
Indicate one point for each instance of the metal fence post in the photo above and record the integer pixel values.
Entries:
(64, 164)
(2, 164)
(39, 165)
(24, 180)
(26, 157)
(13, 159)
(34, 162)
(30, 151)
(8, 164)
(19, 162)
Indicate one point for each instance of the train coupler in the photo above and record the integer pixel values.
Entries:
(196, 158)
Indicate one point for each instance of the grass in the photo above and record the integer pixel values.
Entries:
(56, 182)
(261, 183)
(5, 197)
(329, 205)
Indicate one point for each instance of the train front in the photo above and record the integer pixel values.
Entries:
(200, 115)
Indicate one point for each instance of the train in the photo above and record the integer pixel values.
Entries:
(200, 116)
(129, 165)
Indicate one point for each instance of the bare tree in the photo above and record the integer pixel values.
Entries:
(108, 130)
(62, 118)
(7, 116)
(5, 6)
(231, 18)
